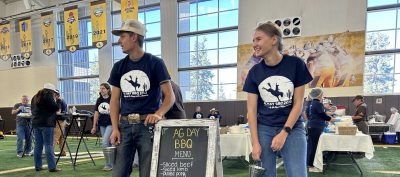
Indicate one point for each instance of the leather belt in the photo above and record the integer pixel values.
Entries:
(134, 118)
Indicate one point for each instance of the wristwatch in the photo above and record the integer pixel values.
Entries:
(287, 129)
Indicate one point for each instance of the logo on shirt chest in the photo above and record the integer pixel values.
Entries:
(276, 92)
(135, 83)
(104, 108)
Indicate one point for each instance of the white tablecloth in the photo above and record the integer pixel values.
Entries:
(235, 145)
(333, 142)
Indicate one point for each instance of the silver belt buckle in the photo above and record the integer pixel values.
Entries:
(134, 118)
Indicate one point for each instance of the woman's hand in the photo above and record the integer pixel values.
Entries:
(278, 141)
(93, 131)
(256, 153)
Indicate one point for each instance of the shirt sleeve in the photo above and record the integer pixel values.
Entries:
(115, 76)
(16, 106)
(96, 107)
(161, 72)
(250, 86)
(303, 76)
(362, 111)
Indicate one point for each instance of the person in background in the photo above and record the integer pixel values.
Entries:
(177, 110)
(315, 126)
(198, 114)
(137, 83)
(102, 118)
(394, 122)
(327, 103)
(275, 92)
(58, 138)
(359, 117)
(214, 114)
(44, 109)
(23, 126)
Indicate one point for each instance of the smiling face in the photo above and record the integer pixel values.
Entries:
(263, 44)
(103, 91)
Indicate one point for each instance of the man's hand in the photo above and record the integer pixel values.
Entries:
(115, 137)
(278, 141)
(152, 119)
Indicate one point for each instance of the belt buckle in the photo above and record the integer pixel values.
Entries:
(134, 118)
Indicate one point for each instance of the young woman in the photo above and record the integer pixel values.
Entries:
(44, 108)
(275, 90)
(102, 118)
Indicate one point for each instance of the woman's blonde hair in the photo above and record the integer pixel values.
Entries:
(271, 29)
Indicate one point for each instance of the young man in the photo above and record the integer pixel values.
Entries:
(23, 124)
(137, 82)
(360, 114)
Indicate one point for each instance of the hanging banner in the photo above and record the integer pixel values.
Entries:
(48, 33)
(99, 23)
(5, 46)
(129, 9)
(25, 36)
(71, 28)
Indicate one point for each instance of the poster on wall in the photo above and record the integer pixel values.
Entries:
(334, 60)
(99, 23)
(129, 9)
(25, 36)
(71, 28)
(5, 44)
(47, 33)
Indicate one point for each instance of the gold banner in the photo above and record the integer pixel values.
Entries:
(129, 9)
(48, 33)
(99, 23)
(71, 28)
(5, 46)
(25, 36)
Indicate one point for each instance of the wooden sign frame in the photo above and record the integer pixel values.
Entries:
(214, 162)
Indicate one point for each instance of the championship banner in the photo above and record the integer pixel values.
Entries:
(129, 9)
(48, 33)
(5, 46)
(25, 36)
(99, 23)
(71, 28)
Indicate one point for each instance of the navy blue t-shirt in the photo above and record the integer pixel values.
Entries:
(103, 107)
(275, 86)
(139, 82)
(317, 115)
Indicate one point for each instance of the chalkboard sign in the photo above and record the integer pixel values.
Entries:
(185, 148)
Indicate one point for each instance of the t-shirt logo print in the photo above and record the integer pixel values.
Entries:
(104, 108)
(135, 84)
(276, 92)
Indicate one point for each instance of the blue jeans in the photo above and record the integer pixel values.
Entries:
(106, 133)
(23, 133)
(293, 152)
(133, 137)
(44, 136)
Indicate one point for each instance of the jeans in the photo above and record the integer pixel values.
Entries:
(44, 136)
(312, 142)
(23, 133)
(106, 133)
(293, 152)
(133, 137)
